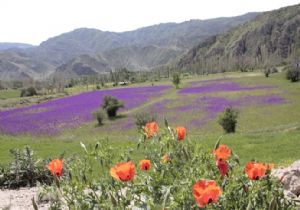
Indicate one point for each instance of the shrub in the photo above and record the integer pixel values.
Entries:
(228, 120)
(111, 105)
(141, 119)
(31, 91)
(24, 170)
(99, 115)
(176, 79)
(267, 72)
(273, 70)
(292, 74)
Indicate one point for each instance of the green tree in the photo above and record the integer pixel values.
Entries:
(111, 105)
(176, 80)
(228, 120)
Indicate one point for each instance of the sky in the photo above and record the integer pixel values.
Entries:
(34, 21)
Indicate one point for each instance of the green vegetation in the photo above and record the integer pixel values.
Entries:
(267, 133)
(167, 174)
(228, 120)
(293, 74)
(31, 91)
(111, 105)
(99, 115)
(176, 80)
(9, 93)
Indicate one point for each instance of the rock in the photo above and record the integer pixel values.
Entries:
(290, 178)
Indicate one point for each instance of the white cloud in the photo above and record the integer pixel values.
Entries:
(33, 21)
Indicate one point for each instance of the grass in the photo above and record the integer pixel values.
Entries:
(11, 93)
(265, 133)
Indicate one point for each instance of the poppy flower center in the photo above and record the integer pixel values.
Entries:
(257, 178)
(210, 201)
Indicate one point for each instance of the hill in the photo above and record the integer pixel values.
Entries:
(141, 49)
(272, 38)
(9, 45)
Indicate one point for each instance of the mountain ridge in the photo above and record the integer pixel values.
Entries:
(141, 49)
(270, 39)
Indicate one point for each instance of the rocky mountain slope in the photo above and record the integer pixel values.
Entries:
(272, 38)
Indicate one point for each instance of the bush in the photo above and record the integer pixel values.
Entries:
(267, 72)
(31, 91)
(228, 120)
(273, 70)
(292, 74)
(176, 79)
(142, 119)
(24, 170)
(111, 105)
(99, 115)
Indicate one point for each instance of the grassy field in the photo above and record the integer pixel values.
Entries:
(6, 94)
(265, 132)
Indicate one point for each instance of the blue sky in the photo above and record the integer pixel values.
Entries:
(34, 21)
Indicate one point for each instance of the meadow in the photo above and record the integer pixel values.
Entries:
(268, 124)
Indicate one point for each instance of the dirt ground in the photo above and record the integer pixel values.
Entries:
(19, 199)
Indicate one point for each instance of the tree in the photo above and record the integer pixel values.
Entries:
(228, 120)
(111, 105)
(293, 74)
(176, 80)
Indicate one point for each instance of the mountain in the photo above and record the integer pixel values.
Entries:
(9, 45)
(84, 50)
(19, 66)
(272, 38)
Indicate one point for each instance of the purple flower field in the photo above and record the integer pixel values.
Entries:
(53, 116)
(193, 106)
(194, 100)
(220, 85)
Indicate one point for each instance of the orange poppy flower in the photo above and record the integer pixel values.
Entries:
(151, 129)
(255, 170)
(205, 192)
(222, 166)
(166, 158)
(56, 167)
(145, 165)
(123, 171)
(222, 152)
(181, 132)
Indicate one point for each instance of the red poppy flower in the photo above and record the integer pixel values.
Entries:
(166, 158)
(205, 192)
(145, 165)
(222, 166)
(181, 132)
(123, 171)
(222, 152)
(56, 167)
(151, 129)
(255, 170)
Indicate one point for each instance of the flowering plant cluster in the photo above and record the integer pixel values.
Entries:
(173, 173)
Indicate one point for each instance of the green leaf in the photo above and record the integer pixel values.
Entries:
(273, 204)
(166, 122)
(56, 181)
(166, 197)
(83, 146)
(218, 142)
(113, 199)
(249, 207)
(236, 158)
